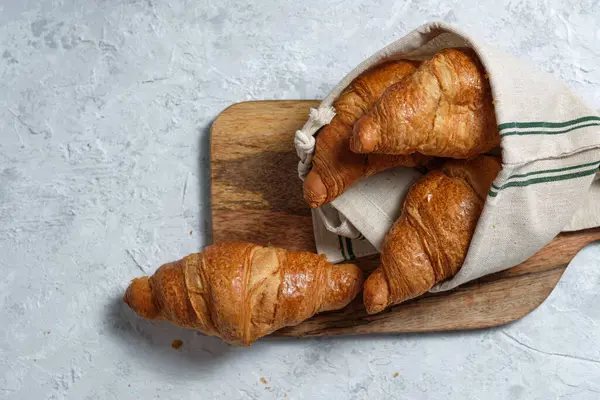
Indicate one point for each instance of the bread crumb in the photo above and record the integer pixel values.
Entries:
(267, 387)
(263, 380)
(190, 233)
(285, 395)
(176, 344)
(395, 374)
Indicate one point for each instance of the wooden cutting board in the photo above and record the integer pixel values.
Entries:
(257, 197)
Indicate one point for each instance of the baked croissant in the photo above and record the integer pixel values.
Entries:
(241, 291)
(429, 242)
(444, 109)
(334, 166)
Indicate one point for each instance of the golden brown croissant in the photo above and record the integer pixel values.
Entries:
(444, 109)
(335, 167)
(241, 291)
(429, 242)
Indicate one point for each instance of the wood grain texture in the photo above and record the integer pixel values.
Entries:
(257, 197)
(256, 193)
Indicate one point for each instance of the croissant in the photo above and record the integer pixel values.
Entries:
(335, 167)
(429, 242)
(241, 291)
(444, 109)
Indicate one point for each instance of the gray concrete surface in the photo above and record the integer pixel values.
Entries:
(105, 107)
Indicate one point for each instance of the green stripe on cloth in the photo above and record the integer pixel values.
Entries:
(493, 193)
(342, 250)
(547, 171)
(522, 133)
(517, 125)
(349, 248)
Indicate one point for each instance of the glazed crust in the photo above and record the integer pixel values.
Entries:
(444, 109)
(241, 291)
(335, 167)
(429, 242)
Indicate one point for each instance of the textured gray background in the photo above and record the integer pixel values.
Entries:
(105, 107)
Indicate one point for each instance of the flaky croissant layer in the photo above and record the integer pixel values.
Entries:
(443, 109)
(241, 291)
(429, 242)
(335, 167)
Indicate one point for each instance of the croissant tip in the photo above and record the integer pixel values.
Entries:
(315, 192)
(313, 202)
(345, 282)
(364, 136)
(376, 293)
(374, 308)
(139, 298)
